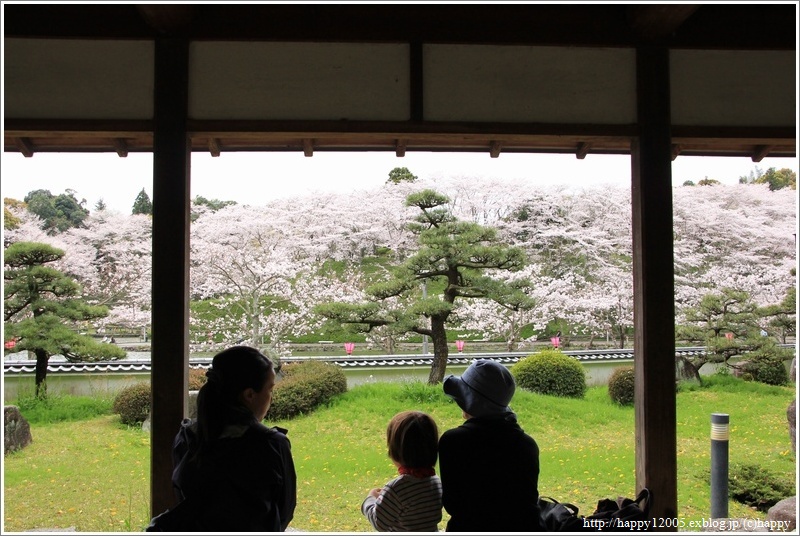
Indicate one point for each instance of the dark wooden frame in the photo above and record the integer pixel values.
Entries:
(652, 141)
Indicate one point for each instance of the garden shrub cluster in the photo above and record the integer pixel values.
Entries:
(766, 369)
(551, 372)
(132, 403)
(305, 386)
(757, 487)
(620, 386)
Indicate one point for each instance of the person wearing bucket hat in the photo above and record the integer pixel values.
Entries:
(489, 467)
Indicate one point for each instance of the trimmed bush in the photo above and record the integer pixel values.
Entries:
(551, 372)
(304, 387)
(756, 486)
(766, 369)
(620, 386)
(197, 378)
(132, 403)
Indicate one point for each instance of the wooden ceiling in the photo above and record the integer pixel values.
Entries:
(677, 26)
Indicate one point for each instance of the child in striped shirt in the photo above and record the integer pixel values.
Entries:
(413, 500)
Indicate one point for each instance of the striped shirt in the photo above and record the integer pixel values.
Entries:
(406, 504)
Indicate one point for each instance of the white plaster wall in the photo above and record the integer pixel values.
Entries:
(301, 81)
(733, 88)
(76, 79)
(529, 84)
(83, 79)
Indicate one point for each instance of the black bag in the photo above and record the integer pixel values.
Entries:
(182, 518)
(617, 516)
(622, 514)
(559, 517)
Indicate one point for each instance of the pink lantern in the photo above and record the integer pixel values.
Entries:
(460, 346)
(556, 341)
(11, 343)
(348, 347)
(729, 336)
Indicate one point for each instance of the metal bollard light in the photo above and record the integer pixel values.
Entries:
(719, 465)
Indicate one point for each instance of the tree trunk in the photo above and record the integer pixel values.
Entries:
(690, 369)
(591, 342)
(439, 337)
(42, 358)
(389, 344)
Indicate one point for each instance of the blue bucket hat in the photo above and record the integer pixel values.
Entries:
(485, 388)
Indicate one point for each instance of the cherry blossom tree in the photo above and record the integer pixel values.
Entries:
(739, 237)
(506, 319)
(577, 243)
(245, 267)
(112, 257)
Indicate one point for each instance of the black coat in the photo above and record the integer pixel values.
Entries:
(245, 482)
(489, 469)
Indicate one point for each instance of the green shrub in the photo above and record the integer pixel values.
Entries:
(551, 372)
(63, 408)
(620, 386)
(766, 369)
(197, 378)
(304, 387)
(132, 403)
(757, 487)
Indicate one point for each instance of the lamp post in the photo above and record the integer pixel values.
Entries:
(720, 423)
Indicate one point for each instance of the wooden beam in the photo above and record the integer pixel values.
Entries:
(654, 22)
(167, 19)
(761, 152)
(74, 135)
(583, 150)
(25, 146)
(494, 149)
(400, 147)
(121, 146)
(213, 146)
(654, 287)
(676, 150)
(308, 147)
(170, 300)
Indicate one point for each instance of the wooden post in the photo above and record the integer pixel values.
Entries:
(170, 315)
(653, 286)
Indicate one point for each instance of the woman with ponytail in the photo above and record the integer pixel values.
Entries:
(237, 473)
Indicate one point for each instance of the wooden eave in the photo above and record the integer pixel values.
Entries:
(217, 137)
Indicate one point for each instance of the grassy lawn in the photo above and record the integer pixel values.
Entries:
(93, 474)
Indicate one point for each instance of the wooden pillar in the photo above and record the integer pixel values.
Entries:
(170, 316)
(653, 285)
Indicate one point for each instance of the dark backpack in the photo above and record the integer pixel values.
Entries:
(620, 515)
(559, 517)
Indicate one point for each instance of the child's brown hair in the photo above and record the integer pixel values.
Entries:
(413, 439)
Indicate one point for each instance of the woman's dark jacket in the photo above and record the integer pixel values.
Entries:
(245, 480)
(489, 469)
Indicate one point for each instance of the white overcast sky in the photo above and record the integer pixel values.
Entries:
(256, 178)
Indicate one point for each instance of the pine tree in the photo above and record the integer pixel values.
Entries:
(454, 258)
(142, 204)
(42, 311)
